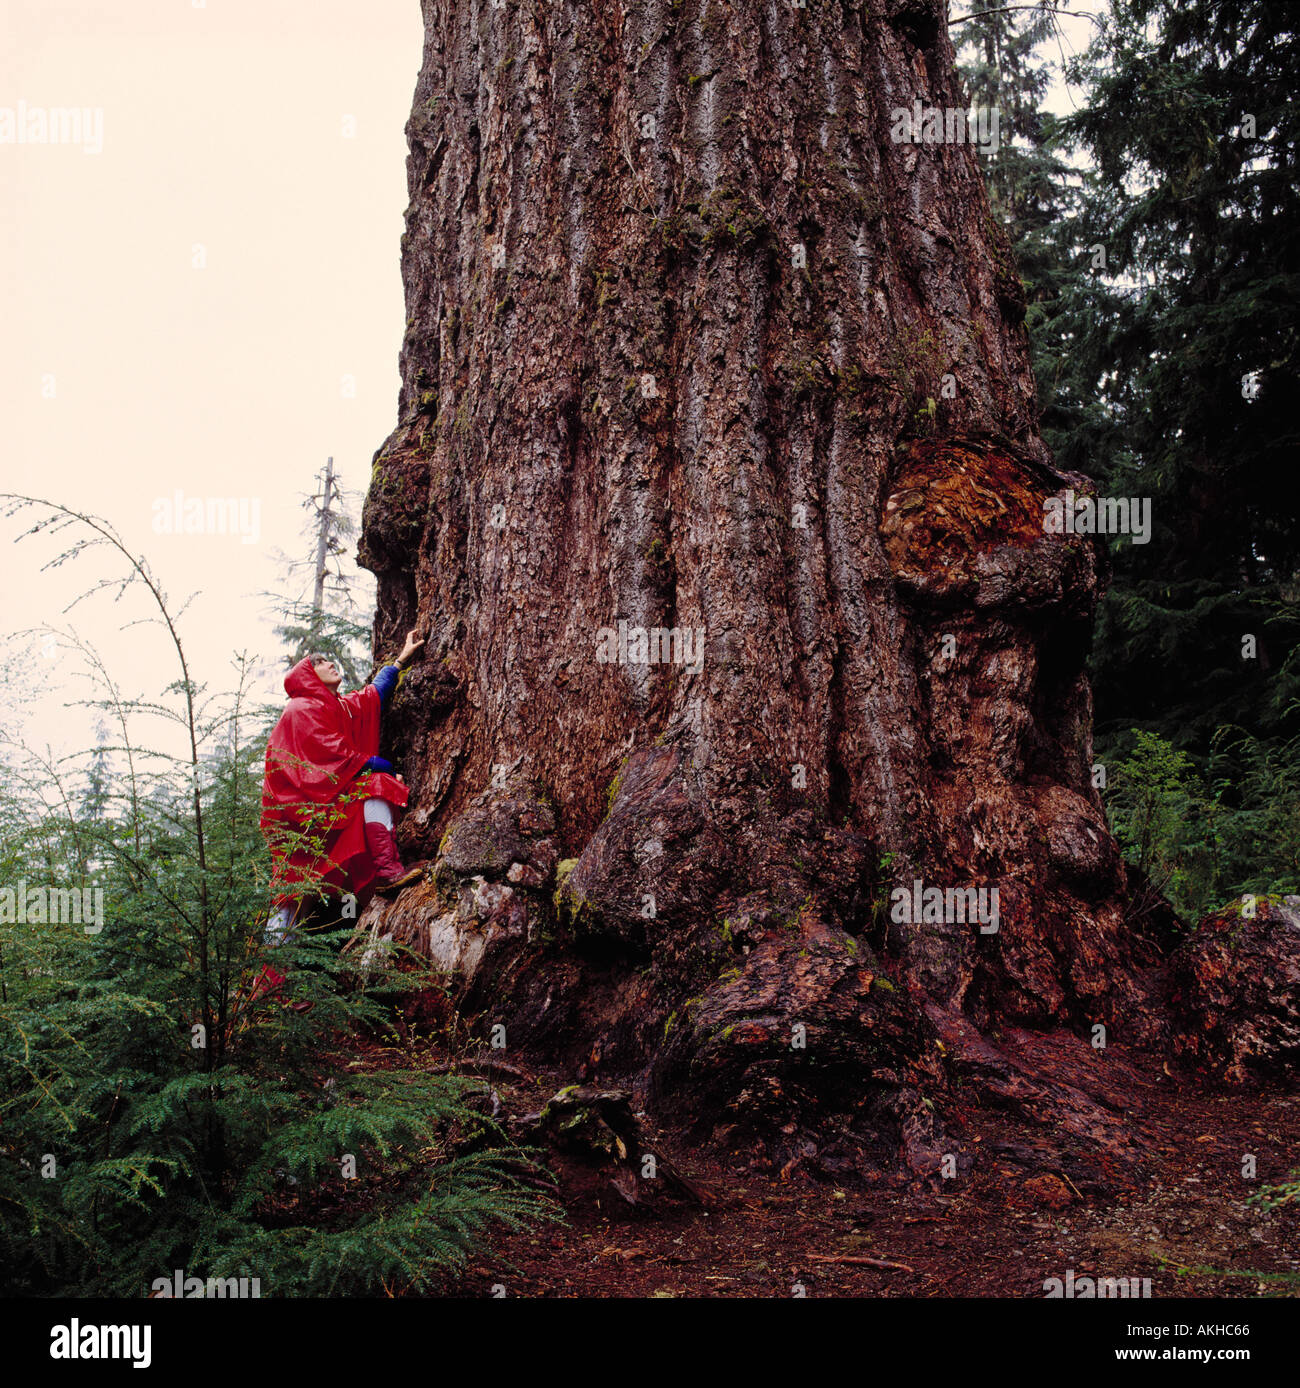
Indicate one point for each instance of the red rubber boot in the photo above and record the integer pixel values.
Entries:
(391, 875)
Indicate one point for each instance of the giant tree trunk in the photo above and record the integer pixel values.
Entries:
(680, 317)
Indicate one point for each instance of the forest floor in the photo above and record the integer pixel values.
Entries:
(1181, 1220)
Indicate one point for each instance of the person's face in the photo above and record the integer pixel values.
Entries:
(328, 673)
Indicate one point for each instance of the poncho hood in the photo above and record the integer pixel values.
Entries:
(302, 682)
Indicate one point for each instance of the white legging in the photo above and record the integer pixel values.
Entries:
(374, 811)
(277, 928)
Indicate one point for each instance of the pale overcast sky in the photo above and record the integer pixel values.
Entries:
(211, 303)
(201, 296)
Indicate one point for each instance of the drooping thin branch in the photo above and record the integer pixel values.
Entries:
(66, 515)
(1042, 9)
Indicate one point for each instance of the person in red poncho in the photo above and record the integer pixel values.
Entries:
(329, 798)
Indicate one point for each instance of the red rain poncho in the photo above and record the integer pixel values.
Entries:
(321, 743)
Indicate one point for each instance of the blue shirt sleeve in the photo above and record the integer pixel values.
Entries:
(386, 681)
(378, 764)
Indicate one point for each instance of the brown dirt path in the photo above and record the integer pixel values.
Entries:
(1015, 1221)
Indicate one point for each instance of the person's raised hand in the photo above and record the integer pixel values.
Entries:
(414, 645)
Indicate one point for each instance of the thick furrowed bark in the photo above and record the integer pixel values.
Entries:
(695, 346)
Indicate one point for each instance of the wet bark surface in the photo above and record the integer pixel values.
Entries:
(1236, 992)
(718, 492)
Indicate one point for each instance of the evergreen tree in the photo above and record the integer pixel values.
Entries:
(324, 619)
(999, 62)
(1037, 196)
(1161, 277)
(1188, 341)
